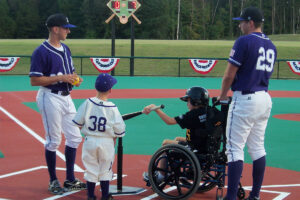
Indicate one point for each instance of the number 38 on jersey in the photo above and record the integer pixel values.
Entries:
(266, 59)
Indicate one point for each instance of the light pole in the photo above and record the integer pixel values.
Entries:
(178, 19)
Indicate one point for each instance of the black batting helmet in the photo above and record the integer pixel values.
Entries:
(197, 95)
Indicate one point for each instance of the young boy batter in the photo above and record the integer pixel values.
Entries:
(195, 120)
(100, 122)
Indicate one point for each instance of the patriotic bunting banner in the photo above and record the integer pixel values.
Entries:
(202, 66)
(105, 65)
(295, 66)
(8, 63)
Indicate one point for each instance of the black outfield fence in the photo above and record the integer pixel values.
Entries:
(151, 66)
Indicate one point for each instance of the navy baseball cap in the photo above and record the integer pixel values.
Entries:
(251, 13)
(59, 19)
(105, 82)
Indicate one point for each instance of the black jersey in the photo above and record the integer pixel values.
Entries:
(199, 124)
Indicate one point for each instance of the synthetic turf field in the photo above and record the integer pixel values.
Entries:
(22, 134)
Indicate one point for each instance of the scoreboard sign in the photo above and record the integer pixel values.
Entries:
(123, 9)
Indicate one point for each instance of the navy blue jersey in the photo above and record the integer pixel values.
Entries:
(48, 61)
(254, 54)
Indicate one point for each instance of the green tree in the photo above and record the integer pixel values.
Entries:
(199, 19)
(72, 9)
(156, 20)
(7, 24)
(46, 8)
(25, 14)
(94, 15)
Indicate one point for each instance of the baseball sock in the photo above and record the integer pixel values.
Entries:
(70, 154)
(90, 188)
(104, 188)
(235, 170)
(258, 172)
(51, 163)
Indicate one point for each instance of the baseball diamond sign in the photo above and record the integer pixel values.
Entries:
(123, 9)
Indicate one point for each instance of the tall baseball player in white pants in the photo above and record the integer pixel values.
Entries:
(52, 69)
(250, 66)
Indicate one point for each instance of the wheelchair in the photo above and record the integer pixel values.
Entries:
(187, 171)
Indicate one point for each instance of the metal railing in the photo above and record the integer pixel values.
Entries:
(152, 66)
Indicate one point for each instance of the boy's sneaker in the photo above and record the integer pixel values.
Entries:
(109, 197)
(146, 179)
(92, 198)
(74, 185)
(54, 187)
(159, 178)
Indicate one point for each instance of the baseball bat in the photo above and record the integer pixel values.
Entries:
(134, 114)
(136, 19)
(110, 18)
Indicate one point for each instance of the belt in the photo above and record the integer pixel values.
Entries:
(62, 93)
(247, 92)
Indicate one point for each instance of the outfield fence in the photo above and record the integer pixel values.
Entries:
(151, 66)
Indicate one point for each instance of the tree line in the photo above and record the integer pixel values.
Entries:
(161, 19)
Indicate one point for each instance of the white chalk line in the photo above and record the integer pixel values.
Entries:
(45, 167)
(36, 136)
(155, 195)
(69, 193)
(40, 139)
(30, 170)
(281, 196)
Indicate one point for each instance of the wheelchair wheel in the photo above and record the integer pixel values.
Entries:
(241, 192)
(209, 181)
(212, 177)
(181, 170)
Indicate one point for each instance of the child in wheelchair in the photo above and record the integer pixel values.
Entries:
(199, 122)
(198, 161)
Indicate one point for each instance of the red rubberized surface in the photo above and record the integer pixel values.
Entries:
(23, 152)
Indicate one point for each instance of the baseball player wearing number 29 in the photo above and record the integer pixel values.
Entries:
(52, 69)
(101, 123)
(250, 66)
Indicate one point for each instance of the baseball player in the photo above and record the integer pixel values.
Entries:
(196, 121)
(249, 69)
(101, 123)
(52, 69)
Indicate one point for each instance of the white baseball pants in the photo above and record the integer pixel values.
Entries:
(246, 124)
(57, 114)
(98, 157)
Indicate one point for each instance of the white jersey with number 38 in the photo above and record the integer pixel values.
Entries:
(100, 118)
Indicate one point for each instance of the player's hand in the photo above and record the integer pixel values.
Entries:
(71, 78)
(222, 98)
(168, 141)
(78, 83)
(68, 78)
(147, 109)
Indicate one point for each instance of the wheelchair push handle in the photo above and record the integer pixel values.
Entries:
(216, 102)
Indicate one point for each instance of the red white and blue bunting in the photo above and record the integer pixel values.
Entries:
(295, 66)
(202, 66)
(105, 65)
(8, 63)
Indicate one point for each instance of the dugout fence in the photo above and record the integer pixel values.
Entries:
(152, 66)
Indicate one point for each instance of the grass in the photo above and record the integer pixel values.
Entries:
(288, 47)
(285, 37)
